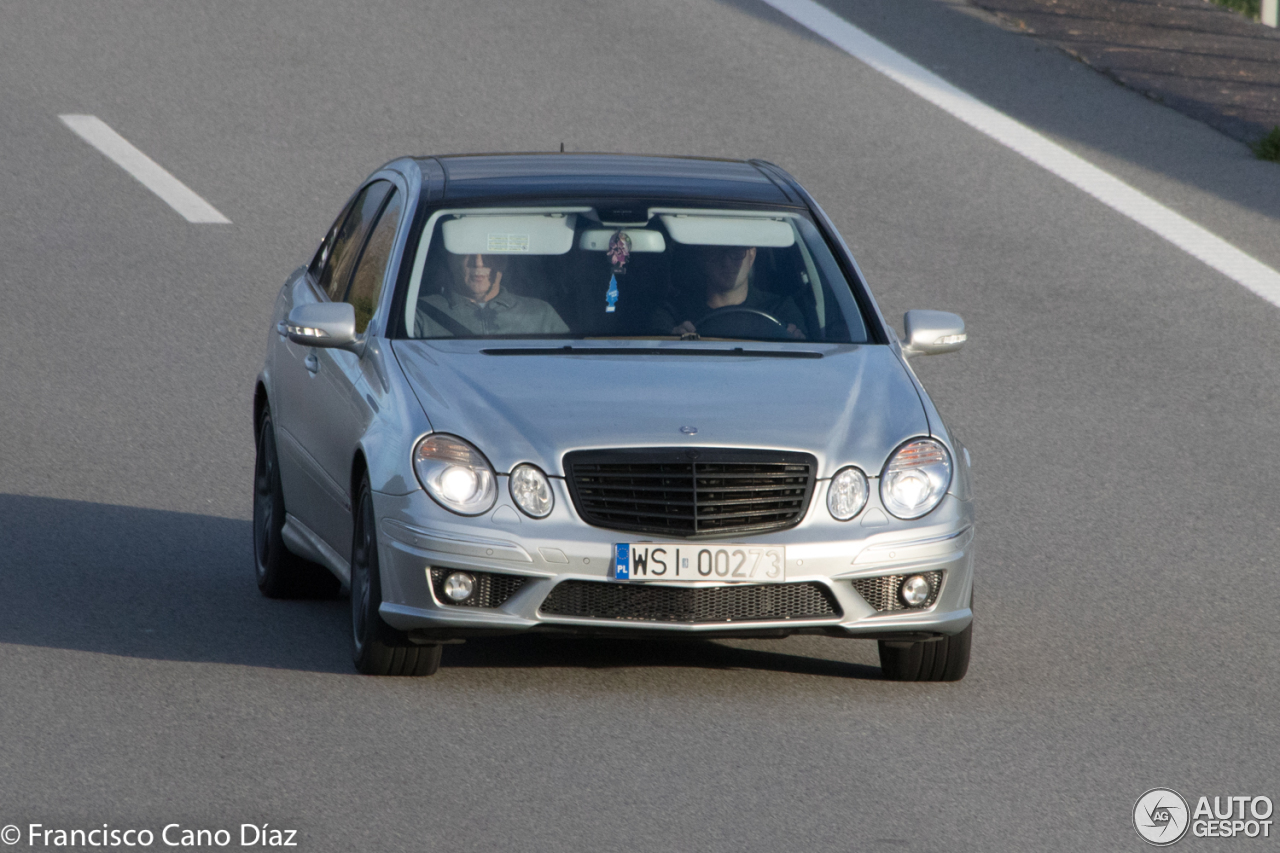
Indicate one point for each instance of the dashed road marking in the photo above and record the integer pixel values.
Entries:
(1105, 187)
(148, 172)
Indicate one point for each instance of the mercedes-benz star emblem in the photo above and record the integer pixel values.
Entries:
(688, 430)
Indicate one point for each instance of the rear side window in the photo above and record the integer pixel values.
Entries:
(366, 283)
(335, 270)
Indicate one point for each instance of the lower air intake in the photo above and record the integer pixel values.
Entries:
(882, 592)
(491, 590)
(646, 603)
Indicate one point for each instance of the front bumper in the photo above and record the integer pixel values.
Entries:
(416, 535)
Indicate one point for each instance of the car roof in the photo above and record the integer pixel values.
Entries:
(473, 177)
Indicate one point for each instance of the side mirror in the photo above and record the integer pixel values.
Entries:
(932, 332)
(323, 324)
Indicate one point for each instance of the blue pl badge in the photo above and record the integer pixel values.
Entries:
(611, 297)
(622, 563)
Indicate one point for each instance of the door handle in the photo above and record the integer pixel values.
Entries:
(312, 363)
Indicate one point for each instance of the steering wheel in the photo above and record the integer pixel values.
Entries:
(734, 321)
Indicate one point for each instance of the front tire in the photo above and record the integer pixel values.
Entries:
(379, 649)
(280, 572)
(939, 660)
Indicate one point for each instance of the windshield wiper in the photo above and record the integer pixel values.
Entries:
(736, 351)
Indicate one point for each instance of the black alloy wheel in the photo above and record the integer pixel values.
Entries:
(280, 572)
(379, 649)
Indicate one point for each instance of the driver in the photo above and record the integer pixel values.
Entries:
(475, 303)
(726, 277)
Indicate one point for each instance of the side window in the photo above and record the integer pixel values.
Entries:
(336, 268)
(326, 246)
(366, 283)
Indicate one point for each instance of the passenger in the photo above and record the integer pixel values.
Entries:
(724, 273)
(474, 303)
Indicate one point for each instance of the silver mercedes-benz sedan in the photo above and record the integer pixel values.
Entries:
(606, 395)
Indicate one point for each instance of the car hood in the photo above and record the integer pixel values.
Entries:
(851, 406)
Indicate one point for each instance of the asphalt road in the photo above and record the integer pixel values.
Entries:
(1119, 397)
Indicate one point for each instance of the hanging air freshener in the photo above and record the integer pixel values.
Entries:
(619, 253)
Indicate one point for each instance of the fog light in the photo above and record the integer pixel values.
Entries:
(459, 586)
(914, 590)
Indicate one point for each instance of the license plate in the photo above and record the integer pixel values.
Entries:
(660, 561)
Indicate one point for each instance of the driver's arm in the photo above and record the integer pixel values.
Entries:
(663, 322)
(791, 317)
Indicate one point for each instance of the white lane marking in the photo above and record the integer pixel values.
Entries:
(1105, 187)
(148, 172)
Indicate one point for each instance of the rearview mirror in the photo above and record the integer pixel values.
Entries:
(932, 332)
(323, 324)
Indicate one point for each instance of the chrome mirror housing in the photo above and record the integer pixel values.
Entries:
(932, 332)
(323, 324)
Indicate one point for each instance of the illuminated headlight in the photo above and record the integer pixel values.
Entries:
(847, 494)
(916, 478)
(531, 491)
(455, 474)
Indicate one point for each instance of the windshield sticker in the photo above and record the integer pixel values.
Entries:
(619, 251)
(508, 242)
(611, 295)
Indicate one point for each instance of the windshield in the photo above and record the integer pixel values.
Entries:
(681, 274)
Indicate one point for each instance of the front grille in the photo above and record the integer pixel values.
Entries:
(647, 603)
(690, 491)
(491, 590)
(882, 592)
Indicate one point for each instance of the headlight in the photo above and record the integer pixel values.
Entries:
(531, 491)
(847, 494)
(454, 474)
(916, 478)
